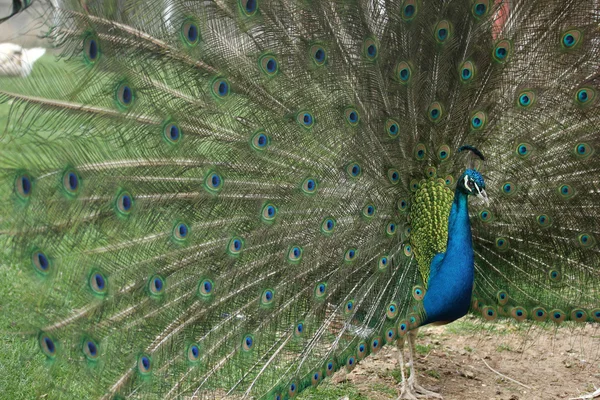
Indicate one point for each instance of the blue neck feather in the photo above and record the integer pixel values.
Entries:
(448, 294)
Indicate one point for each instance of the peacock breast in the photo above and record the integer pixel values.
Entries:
(429, 213)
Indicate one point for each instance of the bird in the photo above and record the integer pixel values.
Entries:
(238, 198)
(18, 61)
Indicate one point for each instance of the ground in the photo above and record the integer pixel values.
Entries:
(555, 363)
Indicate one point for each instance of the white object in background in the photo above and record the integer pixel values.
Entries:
(18, 61)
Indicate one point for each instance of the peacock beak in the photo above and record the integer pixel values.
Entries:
(483, 195)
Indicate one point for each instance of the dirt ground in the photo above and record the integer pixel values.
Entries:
(554, 363)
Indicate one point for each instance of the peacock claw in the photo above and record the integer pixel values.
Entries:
(426, 394)
(407, 393)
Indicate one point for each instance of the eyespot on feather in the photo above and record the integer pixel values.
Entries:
(392, 128)
(508, 188)
(269, 65)
(124, 96)
(583, 150)
(502, 297)
(585, 96)
(354, 170)
(91, 49)
(418, 293)
(579, 315)
(361, 350)
(98, 283)
(295, 254)
(467, 71)
(248, 343)
(586, 240)
(23, 186)
(318, 54)
(486, 215)
(260, 141)
(371, 49)
(47, 345)
(248, 7)
(518, 313)
(235, 246)
(156, 286)
(480, 9)
(213, 182)
(320, 290)
(566, 191)
(309, 186)
(352, 116)
(392, 311)
(193, 353)
(41, 263)
(571, 39)
(435, 112)
(369, 210)
(124, 203)
(420, 152)
(350, 255)
(409, 10)
(172, 133)
(523, 150)
(402, 328)
(557, 316)
(478, 120)
(502, 51)
(375, 344)
(489, 313)
(305, 119)
(539, 314)
(403, 72)
(190, 34)
(180, 232)
(526, 98)
(544, 220)
(443, 31)
(328, 225)
(220, 88)
(144, 364)
(402, 205)
(390, 335)
(443, 153)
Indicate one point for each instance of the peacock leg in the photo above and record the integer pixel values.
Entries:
(412, 380)
(407, 392)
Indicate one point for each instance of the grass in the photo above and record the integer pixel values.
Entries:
(434, 373)
(423, 350)
(330, 391)
(503, 347)
(36, 77)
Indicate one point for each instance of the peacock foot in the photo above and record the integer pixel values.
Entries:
(423, 393)
(411, 390)
(407, 393)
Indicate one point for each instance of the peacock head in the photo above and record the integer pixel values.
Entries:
(472, 183)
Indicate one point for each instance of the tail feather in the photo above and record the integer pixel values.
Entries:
(218, 199)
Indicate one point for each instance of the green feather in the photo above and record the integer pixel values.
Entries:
(191, 182)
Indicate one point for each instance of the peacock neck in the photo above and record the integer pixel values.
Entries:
(459, 228)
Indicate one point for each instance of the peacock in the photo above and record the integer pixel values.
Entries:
(237, 198)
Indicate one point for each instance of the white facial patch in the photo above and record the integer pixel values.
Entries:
(466, 183)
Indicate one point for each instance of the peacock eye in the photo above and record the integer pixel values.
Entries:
(471, 184)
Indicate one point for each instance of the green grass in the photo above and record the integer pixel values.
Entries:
(434, 373)
(423, 349)
(330, 391)
(37, 77)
